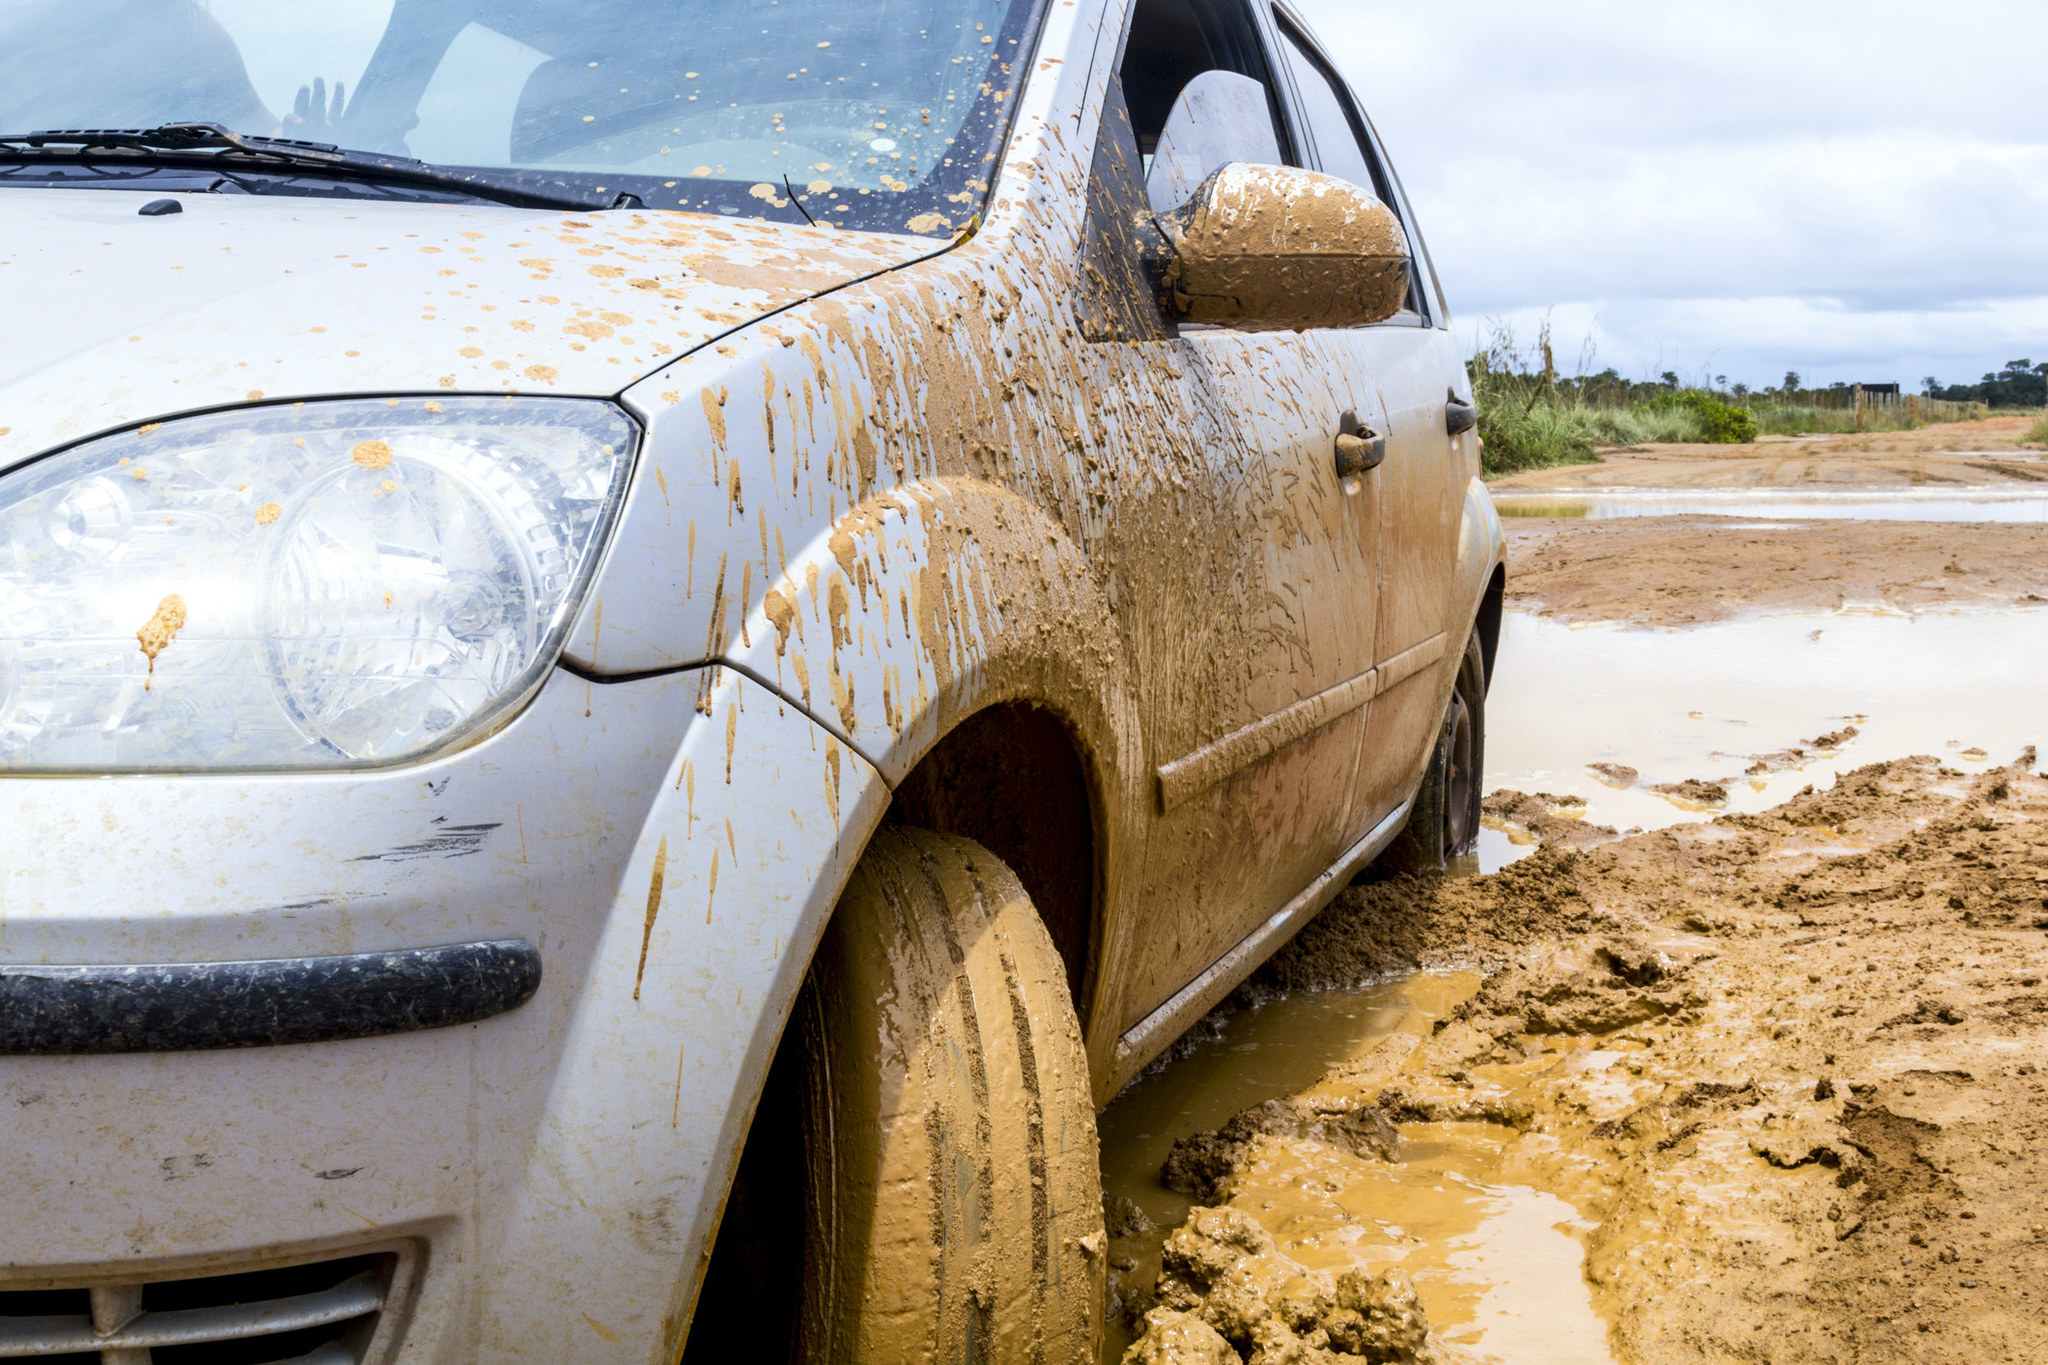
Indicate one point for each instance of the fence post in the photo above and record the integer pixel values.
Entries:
(1859, 407)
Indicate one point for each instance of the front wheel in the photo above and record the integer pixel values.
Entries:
(943, 1201)
(1445, 821)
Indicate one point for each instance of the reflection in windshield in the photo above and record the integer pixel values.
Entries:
(880, 114)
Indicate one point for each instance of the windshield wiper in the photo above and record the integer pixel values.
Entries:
(213, 143)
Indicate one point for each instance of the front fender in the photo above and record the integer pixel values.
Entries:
(938, 599)
(731, 881)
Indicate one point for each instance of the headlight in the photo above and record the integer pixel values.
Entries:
(310, 586)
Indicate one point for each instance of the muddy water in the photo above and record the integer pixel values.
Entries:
(1492, 1248)
(1495, 1260)
(2026, 504)
(1719, 702)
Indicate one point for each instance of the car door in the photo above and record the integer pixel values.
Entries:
(1409, 366)
(1254, 725)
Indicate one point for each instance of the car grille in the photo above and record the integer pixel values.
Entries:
(328, 1312)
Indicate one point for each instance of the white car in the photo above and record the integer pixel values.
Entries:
(644, 647)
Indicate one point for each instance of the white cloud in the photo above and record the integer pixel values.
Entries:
(1857, 191)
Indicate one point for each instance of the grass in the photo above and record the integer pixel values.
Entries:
(1813, 419)
(1528, 424)
(2039, 431)
(1531, 417)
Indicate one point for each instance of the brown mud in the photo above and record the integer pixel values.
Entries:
(1682, 571)
(1989, 452)
(1687, 570)
(1778, 1076)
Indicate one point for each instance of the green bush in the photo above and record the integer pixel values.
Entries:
(1519, 435)
(1715, 422)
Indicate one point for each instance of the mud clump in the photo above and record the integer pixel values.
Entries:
(1802, 753)
(1540, 816)
(1618, 775)
(1377, 929)
(1694, 792)
(1199, 1165)
(1228, 1297)
(1622, 982)
(1786, 1066)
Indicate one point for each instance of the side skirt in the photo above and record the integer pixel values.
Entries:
(1149, 1036)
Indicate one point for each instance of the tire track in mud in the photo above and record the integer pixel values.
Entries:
(1786, 1067)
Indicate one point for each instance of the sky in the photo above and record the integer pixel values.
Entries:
(1855, 191)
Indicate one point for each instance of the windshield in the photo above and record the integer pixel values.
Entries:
(877, 114)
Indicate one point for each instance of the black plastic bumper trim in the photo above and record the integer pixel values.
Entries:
(198, 1006)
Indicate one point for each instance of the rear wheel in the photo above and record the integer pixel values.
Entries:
(926, 1187)
(1445, 821)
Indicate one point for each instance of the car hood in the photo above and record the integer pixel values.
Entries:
(113, 318)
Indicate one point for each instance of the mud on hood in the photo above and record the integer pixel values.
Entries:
(113, 318)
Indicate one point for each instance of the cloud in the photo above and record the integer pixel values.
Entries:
(1854, 190)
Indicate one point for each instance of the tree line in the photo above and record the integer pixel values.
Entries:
(2021, 384)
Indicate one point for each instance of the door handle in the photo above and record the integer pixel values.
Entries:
(1360, 449)
(1459, 415)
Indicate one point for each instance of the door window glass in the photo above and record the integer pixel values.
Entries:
(1339, 140)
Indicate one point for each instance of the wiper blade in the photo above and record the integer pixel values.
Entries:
(216, 142)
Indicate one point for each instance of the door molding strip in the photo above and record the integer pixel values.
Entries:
(1186, 778)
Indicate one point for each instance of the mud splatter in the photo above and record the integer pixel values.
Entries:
(158, 632)
(371, 454)
(654, 885)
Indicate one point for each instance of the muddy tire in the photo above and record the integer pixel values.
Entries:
(1445, 822)
(951, 1201)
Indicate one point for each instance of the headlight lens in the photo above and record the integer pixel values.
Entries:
(321, 585)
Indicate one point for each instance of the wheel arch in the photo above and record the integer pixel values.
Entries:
(1482, 574)
(921, 621)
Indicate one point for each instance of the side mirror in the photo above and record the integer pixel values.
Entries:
(1267, 248)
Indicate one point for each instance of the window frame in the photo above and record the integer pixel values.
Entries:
(1427, 307)
(1279, 89)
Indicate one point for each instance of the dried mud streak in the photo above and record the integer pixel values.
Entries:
(1679, 571)
(1795, 1088)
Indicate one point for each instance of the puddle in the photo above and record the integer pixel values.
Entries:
(2025, 504)
(1496, 1261)
(1480, 1217)
(1708, 701)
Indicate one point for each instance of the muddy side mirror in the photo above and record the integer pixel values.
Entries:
(1270, 248)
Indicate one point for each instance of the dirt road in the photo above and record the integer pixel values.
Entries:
(1788, 1068)
(1687, 570)
(1990, 452)
(1678, 571)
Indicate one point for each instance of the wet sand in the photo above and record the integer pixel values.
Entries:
(1767, 1088)
(1989, 453)
(1660, 571)
(1680, 571)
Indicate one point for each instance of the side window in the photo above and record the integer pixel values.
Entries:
(1340, 141)
(1342, 145)
(1200, 92)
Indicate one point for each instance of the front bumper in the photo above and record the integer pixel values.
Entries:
(544, 1196)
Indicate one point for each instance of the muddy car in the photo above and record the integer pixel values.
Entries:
(645, 648)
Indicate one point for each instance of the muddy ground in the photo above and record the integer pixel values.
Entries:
(1787, 1067)
(1787, 1071)
(1987, 453)
(1687, 570)
(1679, 571)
